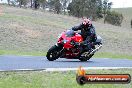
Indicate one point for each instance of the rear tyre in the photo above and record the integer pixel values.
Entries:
(85, 58)
(53, 53)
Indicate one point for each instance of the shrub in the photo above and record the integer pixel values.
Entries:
(114, 18)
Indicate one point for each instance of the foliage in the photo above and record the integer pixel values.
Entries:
(106, 7)
(88, 8)
(94, 9)
(114, 18)
(64, 5)
(22, 2)
(39, 3)
(8, 1)
(55, 6)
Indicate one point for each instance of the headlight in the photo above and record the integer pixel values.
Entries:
(64, 41)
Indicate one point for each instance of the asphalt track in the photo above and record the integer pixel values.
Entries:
(9, 62)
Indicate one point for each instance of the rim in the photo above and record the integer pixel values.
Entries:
(53, 55)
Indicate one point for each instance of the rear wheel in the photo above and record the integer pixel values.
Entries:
(53, 53)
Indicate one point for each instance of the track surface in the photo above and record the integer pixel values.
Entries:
(40, 62)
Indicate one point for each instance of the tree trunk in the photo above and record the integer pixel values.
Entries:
(131, 23)
(64, 11)
(36, 4)
(20, 4)
(31, 1)
(8, 1)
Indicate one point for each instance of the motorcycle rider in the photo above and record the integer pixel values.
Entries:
(87, 32)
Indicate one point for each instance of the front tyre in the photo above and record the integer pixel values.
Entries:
(53, 53)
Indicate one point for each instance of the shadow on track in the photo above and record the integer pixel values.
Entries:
(73, 61)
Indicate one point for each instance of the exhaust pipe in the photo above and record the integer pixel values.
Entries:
(95, 50)
(86, 54)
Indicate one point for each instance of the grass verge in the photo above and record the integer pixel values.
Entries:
(97, 55)
(112, 55)
(55, 79)
(20, 53)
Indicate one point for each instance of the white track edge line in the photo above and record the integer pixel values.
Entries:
(86, 68)
(67, 69)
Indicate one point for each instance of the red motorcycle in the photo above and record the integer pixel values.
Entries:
(68, 46)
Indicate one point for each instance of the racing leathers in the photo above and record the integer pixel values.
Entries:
(88, 33)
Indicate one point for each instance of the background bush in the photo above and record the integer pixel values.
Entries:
(114, 18)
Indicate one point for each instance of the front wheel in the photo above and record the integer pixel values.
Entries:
(53, 53)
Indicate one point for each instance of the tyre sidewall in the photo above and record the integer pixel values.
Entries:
(51, 50)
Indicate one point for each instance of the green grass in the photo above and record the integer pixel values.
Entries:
(55, 79)
(112, 55)
(34, 20)
(20, 53)
(97, 55)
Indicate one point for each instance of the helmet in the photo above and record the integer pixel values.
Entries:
(87, 22)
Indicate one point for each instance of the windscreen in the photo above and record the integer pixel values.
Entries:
(70, 33)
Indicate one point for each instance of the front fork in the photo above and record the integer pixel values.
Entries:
(60, 49)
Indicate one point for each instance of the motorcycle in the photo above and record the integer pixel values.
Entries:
(68, 46)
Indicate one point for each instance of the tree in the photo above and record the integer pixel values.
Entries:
(51, 5)
(114, 18)
(36, 4)
(13, 3)
(106, 8)
(88, 8)
(131, 23)
(31, 1)
(22, 2)
(99, 9)
(42, 3)
(64, 5)
(55, 6)
(8, 1)
(76, 8)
